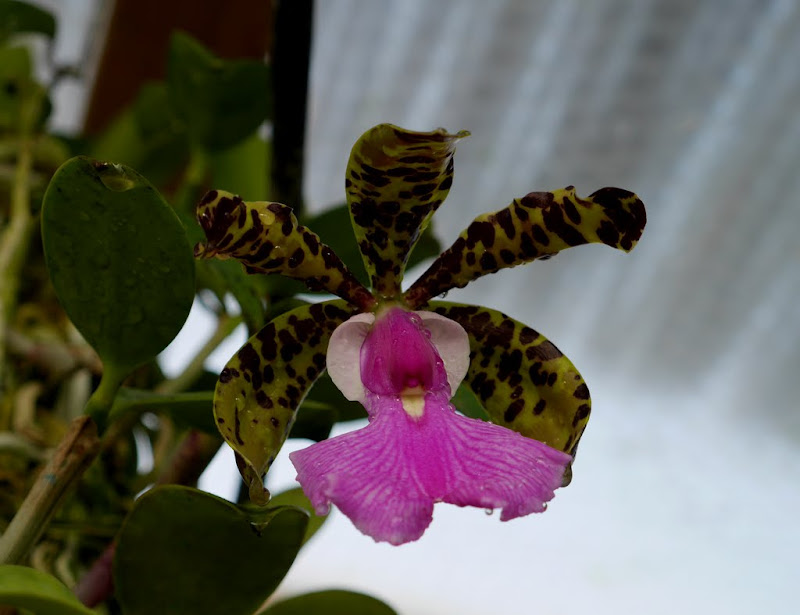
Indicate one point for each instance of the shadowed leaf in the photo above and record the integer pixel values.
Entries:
(219, 101)
(296, 497)
(24, 18)
(330, 602)
(185, 552)
(396, 179)
(118, 258)
(537, 226)
(522, 380)
(35, 591)
(261, 387)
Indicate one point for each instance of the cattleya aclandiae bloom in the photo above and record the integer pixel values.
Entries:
(403, 354)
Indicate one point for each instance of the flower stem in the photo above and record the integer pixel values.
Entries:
(15, 238)
(184, 380)
(72, 457)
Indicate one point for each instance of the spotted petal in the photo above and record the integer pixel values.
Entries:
(261, 387)
(523, 381)
(537, 226)
(266, 238)
(395, 180)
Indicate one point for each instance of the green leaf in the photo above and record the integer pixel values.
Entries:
(146, 136)
(32, 590)
(118, 258)
(261, 387)
(537, 226)
(325, 392)
(522, 380)
(185, 552)
(335, 229)
(241, 168)
(330, 602)
(467, 403)
(296, 497)
(24, 18)
(396, 179)
(193, 409)
(220, 101)
(313, 421)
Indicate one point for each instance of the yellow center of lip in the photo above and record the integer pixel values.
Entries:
(413, 401)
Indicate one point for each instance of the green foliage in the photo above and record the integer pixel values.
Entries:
(192, 410)
(330, 602)
(146, 136)
(220, 102)
(36, 591)
(15, 81)
(118, 258)
(468, 404)
(296, 497)
(182, 551)
(23, 18)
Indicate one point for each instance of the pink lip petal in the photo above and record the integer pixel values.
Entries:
(367, 475)
(417, 451)
(488, 466)
(387, 476)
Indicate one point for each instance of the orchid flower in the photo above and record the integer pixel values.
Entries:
(403, 354)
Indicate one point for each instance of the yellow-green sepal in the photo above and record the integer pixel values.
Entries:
(396, 179)
(522, 380)
(261, 387)
(266, 238)
(537, 226)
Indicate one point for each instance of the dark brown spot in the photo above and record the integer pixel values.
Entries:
(513, 410)
(582, 392)
(296, 258)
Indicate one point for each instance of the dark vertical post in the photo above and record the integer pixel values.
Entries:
(290, 62)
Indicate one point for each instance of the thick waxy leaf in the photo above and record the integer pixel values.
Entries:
(261, 387)
(146, 136)
(118, 258)
(523, 381)
(396, 179)
(23, 18)
(296, 497)
(330, 602)
(37, 592)
(221, 102)
(266, 238)
(537, 226)
(191, 410)
(183, 551)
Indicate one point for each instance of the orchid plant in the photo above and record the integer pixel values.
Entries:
(403, 354)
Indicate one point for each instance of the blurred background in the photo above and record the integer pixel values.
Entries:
(687, 485)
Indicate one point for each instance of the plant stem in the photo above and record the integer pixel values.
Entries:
(225, 326)
(16, 236)
(194, 176)
(71, 458)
